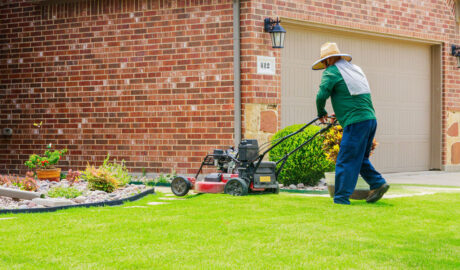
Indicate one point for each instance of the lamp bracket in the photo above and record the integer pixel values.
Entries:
(269, 23)
(456, 50)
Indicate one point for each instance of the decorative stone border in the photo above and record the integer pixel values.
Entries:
(103, 203)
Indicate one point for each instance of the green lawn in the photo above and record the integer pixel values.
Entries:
(252, 232)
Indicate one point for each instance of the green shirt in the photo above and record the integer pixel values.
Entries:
(348, 109)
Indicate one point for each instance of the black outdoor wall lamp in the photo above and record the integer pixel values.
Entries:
(456, 53)
(277, 32)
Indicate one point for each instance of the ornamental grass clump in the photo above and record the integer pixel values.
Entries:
(308, 164)
(118, 170)
(99, 179)
(108, 177)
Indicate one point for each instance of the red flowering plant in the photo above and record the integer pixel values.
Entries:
(48, 161)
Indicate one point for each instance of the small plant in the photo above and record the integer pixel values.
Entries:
(15, 180)
(332, 140)
(72, 177)
(99, 179)
(47, 161)
(66, 192)
(29, 183)
(165, 178)
(118, 170)
(5, 180)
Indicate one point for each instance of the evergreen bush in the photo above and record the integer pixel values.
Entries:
(308, 164)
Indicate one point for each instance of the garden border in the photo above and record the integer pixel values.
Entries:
(151, 183)
(96, 204)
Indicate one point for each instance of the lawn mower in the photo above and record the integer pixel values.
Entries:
(242, 171)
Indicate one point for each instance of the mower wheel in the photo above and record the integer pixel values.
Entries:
(180, 186)
(236, 187)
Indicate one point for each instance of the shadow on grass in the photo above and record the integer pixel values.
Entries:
(191, 196)
(383, 203)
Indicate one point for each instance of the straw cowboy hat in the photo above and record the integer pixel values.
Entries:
(329, 49)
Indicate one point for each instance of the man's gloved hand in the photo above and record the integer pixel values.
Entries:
(324, 118)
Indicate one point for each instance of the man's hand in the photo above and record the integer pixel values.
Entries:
(323, 119)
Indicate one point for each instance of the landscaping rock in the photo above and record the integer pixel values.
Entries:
(32, 204)
(23, 207)
(322, 182)
(25, 202)
(18, 194)
(80, 199)
(53, 202)
(292, 186)
(300, 185)
(156, 203)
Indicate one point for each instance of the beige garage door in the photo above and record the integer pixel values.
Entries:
(399, 76)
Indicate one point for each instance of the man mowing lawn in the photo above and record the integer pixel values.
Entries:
(350, 95)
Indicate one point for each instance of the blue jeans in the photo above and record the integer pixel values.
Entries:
(353, 159)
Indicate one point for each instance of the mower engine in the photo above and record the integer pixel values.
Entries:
(224, 160)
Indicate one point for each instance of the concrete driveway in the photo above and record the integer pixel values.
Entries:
(425, 178)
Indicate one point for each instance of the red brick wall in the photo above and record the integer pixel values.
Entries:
(147, 81)
(425, 19)
(152, 81)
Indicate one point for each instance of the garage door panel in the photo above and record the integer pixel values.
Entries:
(399, 76)
(389, 124)
(384, 157)
(415, 123)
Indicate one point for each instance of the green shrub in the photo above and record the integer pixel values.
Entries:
(99, 179)
(118, 170)
(308, 164)
(68, 192)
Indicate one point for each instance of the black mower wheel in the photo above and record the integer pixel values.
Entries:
(180, 186)
(236, 187)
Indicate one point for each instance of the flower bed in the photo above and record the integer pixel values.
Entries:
(79, 193)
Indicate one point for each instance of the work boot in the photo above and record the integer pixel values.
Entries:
(377, 194)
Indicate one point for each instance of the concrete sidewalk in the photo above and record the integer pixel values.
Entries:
(425, 178)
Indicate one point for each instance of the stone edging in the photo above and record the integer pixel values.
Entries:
(103, 203)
